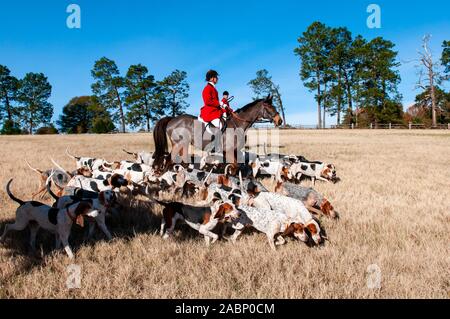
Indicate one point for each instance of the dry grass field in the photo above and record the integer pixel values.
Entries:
(393, 200)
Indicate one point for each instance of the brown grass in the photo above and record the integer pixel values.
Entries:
(394, 206)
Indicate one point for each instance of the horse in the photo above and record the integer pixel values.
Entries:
(181, 129)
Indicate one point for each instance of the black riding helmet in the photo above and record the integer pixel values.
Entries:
(211, 74)
(226, 93)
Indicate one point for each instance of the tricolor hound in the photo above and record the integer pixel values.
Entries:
(58, 221)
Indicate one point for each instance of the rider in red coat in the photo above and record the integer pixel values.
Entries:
(212, 110)
(225, 103)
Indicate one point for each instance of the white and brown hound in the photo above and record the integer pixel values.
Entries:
(317, 170)
(100, 202)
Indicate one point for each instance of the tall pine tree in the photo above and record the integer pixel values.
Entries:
(108, 89)
(9, 87)
(175, 90)
(143, 97)
(33, 95)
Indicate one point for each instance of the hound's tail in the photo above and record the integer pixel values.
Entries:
(48, 184)
(160, 139)
(34, 169)
(72, 156)
(61, 168)
(21, 202)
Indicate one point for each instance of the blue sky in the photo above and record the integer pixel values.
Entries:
(237, 38)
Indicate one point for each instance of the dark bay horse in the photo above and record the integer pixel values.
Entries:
(185, 130)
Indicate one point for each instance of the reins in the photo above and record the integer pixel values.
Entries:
(234, 114)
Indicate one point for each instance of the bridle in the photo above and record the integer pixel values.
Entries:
(263, 119)
(267, 117)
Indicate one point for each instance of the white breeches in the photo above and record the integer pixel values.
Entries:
(217, 123)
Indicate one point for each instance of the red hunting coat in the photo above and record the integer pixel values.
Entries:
(211, 110)
(226, 105)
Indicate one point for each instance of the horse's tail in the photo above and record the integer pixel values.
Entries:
(160, 139)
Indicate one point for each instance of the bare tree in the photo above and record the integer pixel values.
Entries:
(432, 75)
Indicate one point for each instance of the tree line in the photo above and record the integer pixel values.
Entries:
(24, 102)
(136, 100)
(356, 80)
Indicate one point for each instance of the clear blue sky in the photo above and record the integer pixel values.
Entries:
(234, 37)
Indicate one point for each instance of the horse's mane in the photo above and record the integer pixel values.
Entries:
(249, 105)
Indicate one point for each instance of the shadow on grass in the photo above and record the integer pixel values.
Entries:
(134, 218)
(125, 222)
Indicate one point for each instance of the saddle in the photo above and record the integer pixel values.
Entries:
(209, 126)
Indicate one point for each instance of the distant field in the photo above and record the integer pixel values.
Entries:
(393, 200)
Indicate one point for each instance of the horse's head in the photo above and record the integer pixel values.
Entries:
(269, 112)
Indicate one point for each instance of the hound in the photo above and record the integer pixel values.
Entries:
(97, 185)
(293, 208)
(60, 177)
(202, 219)
(142, 157)
(314, 201)
(268, 165)
(84, 171)
(87, 162)
(58, 221)
(319, 170)
(97, 174)
(273, 223)
(134, 172)
(100, 202)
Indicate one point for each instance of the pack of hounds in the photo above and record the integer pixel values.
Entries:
(203, 195)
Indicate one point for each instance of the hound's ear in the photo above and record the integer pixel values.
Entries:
(220, 212)
(80, 220)
(312, 228)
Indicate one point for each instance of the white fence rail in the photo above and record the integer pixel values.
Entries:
(373, 126)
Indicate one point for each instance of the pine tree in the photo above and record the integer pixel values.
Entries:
(33, 95)
(108, 89)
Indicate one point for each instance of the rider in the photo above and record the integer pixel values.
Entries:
(226, 103)
(212, 111)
